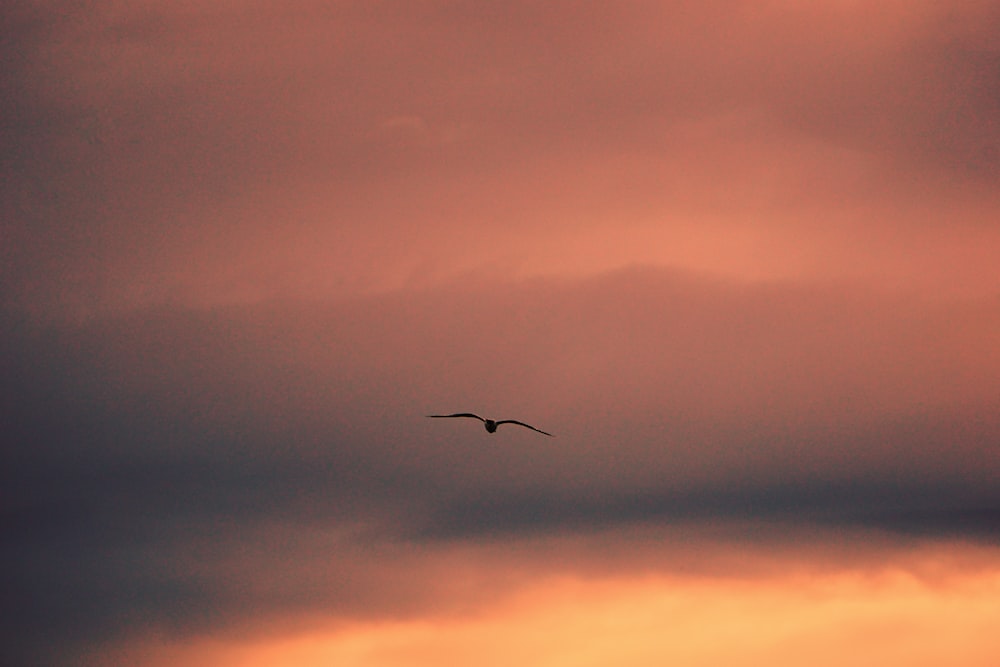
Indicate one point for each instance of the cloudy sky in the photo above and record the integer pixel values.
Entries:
(739, 257)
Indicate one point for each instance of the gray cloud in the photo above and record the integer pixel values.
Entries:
(148, 450)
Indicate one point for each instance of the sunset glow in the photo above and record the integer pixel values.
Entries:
(891, 615)
(738, 258)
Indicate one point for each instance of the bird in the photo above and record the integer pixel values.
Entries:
(491, 424)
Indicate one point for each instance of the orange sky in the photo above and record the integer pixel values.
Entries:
(910, 606)
(739, 257)
(862, 620)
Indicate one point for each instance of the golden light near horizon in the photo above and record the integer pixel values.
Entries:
(883, 618)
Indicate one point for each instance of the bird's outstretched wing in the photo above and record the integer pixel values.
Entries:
(514, 421)
(459, 414)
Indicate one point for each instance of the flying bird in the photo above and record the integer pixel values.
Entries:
(490, 424)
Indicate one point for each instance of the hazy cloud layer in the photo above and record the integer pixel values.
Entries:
(198, 152)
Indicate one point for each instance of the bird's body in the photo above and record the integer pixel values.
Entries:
(491, 424)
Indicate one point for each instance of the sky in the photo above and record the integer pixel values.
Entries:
(738, 257)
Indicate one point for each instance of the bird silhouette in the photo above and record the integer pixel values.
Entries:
(490, 424)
